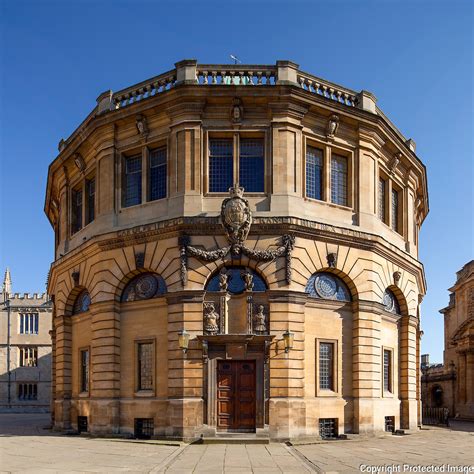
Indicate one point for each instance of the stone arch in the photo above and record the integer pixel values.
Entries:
(346, 280)
(72, 300)
(156, 285)
(436, 394)
(260, 283)
(400, 299)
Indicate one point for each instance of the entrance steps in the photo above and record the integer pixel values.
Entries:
(261, 437)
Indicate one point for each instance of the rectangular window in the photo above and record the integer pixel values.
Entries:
(387, 370)
(339, 180)
(314, 173)
(132, 182)
(251, 165)
(84, 370)
(326, 366)
(90, 200)
(395, 210)
(27, 391)
(381, 199)
(220, 165)
(157, 174)
(145, 366)
(28, 357)
(29, 323)
(76, 210)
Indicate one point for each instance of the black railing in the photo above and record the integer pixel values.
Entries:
(435, 416)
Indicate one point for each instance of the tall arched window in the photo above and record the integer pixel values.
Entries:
(82, 303)
(235, 280)
(144, 287)
(390, 302)
(327, 286)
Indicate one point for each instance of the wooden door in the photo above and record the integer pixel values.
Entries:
(236, 400)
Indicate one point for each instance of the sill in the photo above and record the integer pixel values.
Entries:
(73, 234)
(326, 393)
(83, 395)
(388, 394)
(220, 194)
(144, 394)
(329, 203)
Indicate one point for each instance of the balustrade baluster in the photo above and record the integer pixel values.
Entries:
(214, 77)
(259, 77)
(204, 75)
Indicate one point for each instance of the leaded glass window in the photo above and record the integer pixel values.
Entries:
(327, 286)
(157, 174)
(76, 208)
(314, 173)
(90, 200)
(395, 207)
(236, 283)
(84, 370)
(381, 199)
(220, 165)
(387, 370)
(143, 287)
(145, 366)
(29, 323)
(390, 302)
(132, 183)
(339, 180)
(326, 365)
(251, 165)
(82, 302)
(28, 356)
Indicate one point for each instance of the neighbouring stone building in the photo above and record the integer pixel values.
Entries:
(451, 384)
(25, 350)
(286, 305)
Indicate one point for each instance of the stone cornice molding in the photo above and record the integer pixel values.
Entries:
(185, 296)
(104, 307)
(287, 296)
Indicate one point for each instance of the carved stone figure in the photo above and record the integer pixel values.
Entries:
(332, 260)
(75, 278)
(79, 162)
(223, 281)
(396, 277)
(394, 162)
(247, 277)
(236, 216)
(141, 125)
(332, 126)
(211, 318)
(260, 320)
(139, 259)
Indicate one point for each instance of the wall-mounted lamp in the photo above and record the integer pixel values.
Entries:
(288, 337)
(183, 340)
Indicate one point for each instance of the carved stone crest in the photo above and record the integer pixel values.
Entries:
(142, 126)
(332, 126)
(236, 216)
(223, 280)
(79, 162)
(237, 111)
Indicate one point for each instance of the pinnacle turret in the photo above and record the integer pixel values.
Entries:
(7, 282)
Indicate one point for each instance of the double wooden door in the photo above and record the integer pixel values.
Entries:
(236, 399)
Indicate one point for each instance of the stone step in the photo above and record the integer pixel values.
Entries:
(233, 440)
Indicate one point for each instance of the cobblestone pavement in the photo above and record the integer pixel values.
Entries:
(26, 447)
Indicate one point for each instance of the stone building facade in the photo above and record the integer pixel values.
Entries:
(451, 384)
(236, 251)
(25, 350)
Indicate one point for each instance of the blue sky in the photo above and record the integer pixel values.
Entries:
(415, 56)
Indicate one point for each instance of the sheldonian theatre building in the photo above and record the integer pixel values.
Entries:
(236, 250)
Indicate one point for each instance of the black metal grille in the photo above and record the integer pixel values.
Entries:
(328, 428)
(390, 424)
(82, 424)
(143, 428)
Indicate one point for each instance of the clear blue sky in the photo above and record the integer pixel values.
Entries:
(415, 56)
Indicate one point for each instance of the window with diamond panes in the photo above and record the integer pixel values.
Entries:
(387, 370)
(251, 165)
(314, 173)
(326, 361)
(90, 200)
(145, 366)
(76, 214)
(220, 165)
(339, 180)
(381, 199)
(157, 174)
(395, 210)
(132, 182)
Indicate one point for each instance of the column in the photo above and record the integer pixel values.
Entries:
(366, 353)
(63, 365)
(105, 367)
(470, 382)
(287, 409)
(185, 370)
(408, 372)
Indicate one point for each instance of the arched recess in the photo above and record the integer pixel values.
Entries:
(141, 286)
(394, 301)
(79, 301)
(331, 284)
(236, 284)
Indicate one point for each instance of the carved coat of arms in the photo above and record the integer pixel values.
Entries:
(236, 216)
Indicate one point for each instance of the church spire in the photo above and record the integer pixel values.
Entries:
(7, 282)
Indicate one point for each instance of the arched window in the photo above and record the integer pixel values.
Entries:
(328, 287)
(390, 302)
(82, 303)
(235, 281)
(144, 287)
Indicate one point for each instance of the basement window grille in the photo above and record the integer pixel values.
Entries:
(390, 424)
(82, 424)
(144, 428)
(328, 428)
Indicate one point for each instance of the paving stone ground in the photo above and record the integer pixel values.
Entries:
(26, 447)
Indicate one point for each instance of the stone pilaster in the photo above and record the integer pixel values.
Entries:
(470, 381)
(287, 406)
(105, 367)
(366, 352)
(408, 372)
(185, 370)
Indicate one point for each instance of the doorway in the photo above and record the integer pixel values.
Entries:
(236, 395)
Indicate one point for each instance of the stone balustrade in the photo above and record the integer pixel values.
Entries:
(236, 75)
